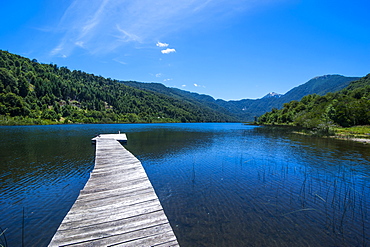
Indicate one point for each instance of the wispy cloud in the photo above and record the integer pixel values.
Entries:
(126, 36)
(168, 51)
(80, 43)
(102, 26)
(119, 61)
(57, 50)
(159, 44)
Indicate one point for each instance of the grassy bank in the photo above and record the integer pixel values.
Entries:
(355, 133)
(360, 133)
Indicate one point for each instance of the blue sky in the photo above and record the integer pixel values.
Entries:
(229, 49)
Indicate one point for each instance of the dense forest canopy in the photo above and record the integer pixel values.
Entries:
(35, 93)
(348, 107)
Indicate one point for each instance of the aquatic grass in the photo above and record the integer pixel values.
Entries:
(300, 210)
(23, 227)
(320, 197)
(341, 200)
(3, 240)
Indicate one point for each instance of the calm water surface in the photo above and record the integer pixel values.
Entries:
(219, 184)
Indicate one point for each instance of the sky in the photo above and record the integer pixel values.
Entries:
(229, 49)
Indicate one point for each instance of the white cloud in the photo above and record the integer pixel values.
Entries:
(167, 80)
(159, 44)
(183, 85)
(197, 85)
(158, 75)
(168, 51)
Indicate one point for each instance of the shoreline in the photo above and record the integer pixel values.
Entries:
(347, 138)
(344, 134)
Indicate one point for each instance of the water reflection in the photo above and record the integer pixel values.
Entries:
(42, 171)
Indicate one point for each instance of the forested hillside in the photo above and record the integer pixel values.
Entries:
(348, 107)
(195, 98)
(35, 93)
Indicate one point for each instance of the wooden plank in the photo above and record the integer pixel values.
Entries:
(117, 207)
(149, 236)
(131, 188)
(161, 239)
(82, 220)
(103, 189)
(124, 228)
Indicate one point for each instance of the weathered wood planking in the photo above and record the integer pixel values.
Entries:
(117, 207)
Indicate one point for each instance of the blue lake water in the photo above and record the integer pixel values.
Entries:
(219, 184)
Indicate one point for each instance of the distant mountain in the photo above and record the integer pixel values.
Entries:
(247, 109)
(272, 95)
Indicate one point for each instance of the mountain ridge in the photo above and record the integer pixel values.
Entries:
(318, 85)
(30, 90)
(247, 109)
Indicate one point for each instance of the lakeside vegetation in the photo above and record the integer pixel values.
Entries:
(346, 108)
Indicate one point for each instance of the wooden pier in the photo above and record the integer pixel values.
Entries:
(118, 205)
